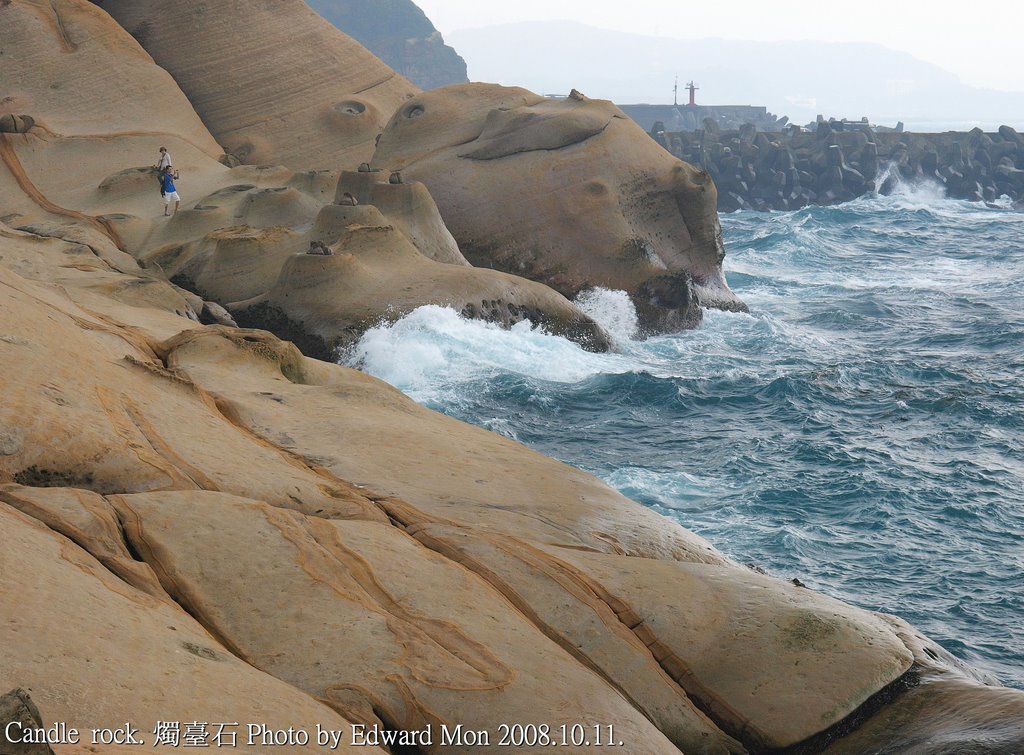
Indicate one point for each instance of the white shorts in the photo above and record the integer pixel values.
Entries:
(171, 197)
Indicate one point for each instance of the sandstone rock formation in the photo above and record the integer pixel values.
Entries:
(401, 35)
(234, 237)
(230, 459)
(124, 655)
(565, 192)
(355, 266)
(49, 46)
(200, 523)
(322, 98)
(18, 710)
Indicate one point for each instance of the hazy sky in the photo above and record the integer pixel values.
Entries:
(979, 42)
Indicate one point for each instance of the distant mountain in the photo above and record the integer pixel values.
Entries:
(401, 35)
(799, 79)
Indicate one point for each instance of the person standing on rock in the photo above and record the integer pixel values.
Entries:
(163, 162)
(168, 191)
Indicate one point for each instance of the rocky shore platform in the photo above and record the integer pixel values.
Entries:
(209, 535)
(793, 168)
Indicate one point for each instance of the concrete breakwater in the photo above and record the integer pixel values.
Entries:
(794, 168)
(690, 117)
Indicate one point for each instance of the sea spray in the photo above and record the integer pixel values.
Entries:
(861, 429)
(613, 311)
(433, 351)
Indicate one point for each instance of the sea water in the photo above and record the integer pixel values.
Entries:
(861, 429)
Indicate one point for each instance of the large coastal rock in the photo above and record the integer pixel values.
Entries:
(370, 635)
(99, 109)
(569, 192)
(200, 523)
(176, 468)
(401, 35)
(322, 97)
(242, 234)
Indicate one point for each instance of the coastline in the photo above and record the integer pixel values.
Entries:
(203, 523)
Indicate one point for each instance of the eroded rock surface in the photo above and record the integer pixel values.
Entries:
(323, 97)
(199, 522)
(48, 46)
(465, 660)
(176, 469)
(119, 654)
(377, 253)
(569, 192)
(19, 714)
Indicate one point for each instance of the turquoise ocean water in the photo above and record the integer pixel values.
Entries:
(862, 429)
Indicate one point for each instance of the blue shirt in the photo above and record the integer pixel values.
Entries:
(167, 183)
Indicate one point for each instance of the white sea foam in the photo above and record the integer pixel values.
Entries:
(892, 323)
(432, 350)
(439, 358)
(613, 311)
(911, 194)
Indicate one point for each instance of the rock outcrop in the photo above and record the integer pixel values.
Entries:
(567, 192)
(200, 523)
(243, 233)
(124, 655)
(322, 97)
(19, 714)
(151, 475)
(401, 35)
(356, 266)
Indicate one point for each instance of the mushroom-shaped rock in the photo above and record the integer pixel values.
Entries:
(408, 206)
(568, 192)
(241, 262)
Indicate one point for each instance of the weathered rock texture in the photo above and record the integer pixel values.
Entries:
(47, 48)
(200, 523)
(401, 35)
(323, 97)
(166, 472)
(356, 266)
(567, 192)
(237, 238)
(19, 712)
(122, 655)
(792, 169)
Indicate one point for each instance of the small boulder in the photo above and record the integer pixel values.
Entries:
(16, 124)
(17, 707)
